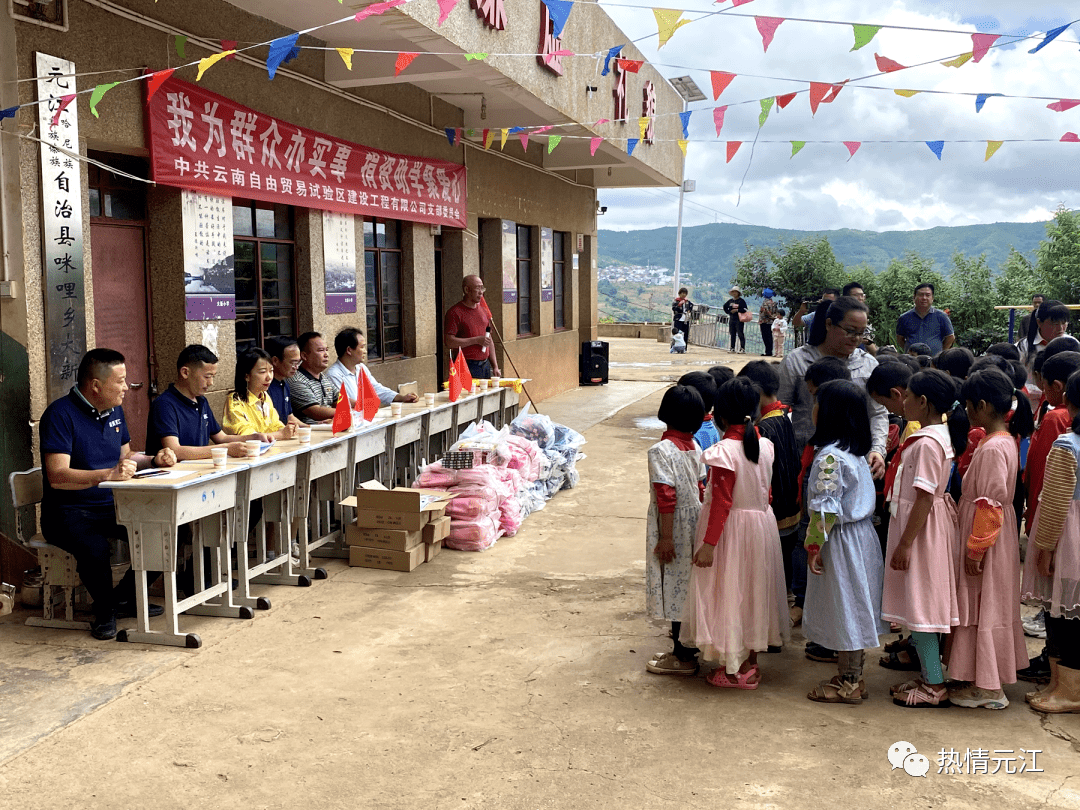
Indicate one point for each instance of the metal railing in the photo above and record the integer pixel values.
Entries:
(711, 328)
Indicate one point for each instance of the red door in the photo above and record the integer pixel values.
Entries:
(118, 253)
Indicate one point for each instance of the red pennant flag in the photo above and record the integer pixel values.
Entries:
(229, 45)
(342, 417)
(367, 401)
(981, 43)
(767, 26)
(487, 310)
(455, 383)
(630, 65)
(64, 101)
(732, 148)
(463, 371)
(403, 61)
(818, 91)
(887, 65)
(1070, 137)
(783, 101)
(720, 82)
(834, 92)
(852, 147)
(1063, 105)
(718, 119)
(156, 80)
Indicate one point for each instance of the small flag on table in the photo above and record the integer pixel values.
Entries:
(367, 401)
(463, 371)
(455, 383)
(342, 417)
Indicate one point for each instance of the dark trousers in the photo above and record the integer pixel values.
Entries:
(479, 369)
(736, 327)
(85, 533)
(1063, 640)
(766, 338)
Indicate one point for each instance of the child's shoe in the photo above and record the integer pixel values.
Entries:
(923, 696)
(972, 697)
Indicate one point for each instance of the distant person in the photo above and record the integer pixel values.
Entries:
(766, 317)
(856, 291)
(681, 309)
(678, 342)
(351, 347)
(925, 324)
(919, 350)
(804, 319)
(467, 327)
(1051, 320)
(1036, 302)
(779, 332)
(734, 308)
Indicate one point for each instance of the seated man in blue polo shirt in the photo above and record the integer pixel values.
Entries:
(84, 442)
(285, 358)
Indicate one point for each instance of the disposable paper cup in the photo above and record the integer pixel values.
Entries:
(252, 447)
(304, 434)
(494, 382)
(395, 409)
(219, 454)
(429, 400)
(483, 384)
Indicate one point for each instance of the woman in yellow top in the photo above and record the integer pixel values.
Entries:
(249, 409)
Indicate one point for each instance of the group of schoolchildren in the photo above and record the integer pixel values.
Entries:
(934, 548)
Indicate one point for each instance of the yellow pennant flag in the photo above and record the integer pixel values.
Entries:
(210, 61)
(489, 136)
(643, 124)
(991, 148)
(907, 93)
(346, 56)
(682, 145)
(667, 23)
(960, 61)
(502, 141)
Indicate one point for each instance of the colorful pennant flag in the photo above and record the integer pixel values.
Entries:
(767, 26)
(489, 137)
(766, 108)
(737, 3)
(559, 11)
(611, 54)
(732, 148)
(451, 134)
(594, 144)
(180, 43)
(98, 92)
(630, 144)
(818, 91)
(404, 59)
(454, 386)
(376, 9)
(445, 7)
(667, 23)
(981, 98)
(959, 61)
(796, 147)
(64, 101)
(1070, 137)
(682, 145)
(524, 138)
(643, 125)
(10, 113)
(210, 61)
(463, 371)
(553, 141)
(502, 139)
(346, 55)
(229, 45)
(720, 81)
(852, 147)
(784, 100)
(342, 416)
(684, 117)
(1050, 37)
(887, 65)
(158, 78)
(469, 57)
(991, 149)
(718, 118)
(630, 65)
(981, 44)
(279, 51)
(1063, 105)
(602, 121)
(936, 147)
(863, 35)
(907, 93)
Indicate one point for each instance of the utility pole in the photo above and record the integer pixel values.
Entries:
(685, 87)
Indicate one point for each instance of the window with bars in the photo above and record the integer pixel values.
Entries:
(559, 252)
(264, 247)
(49, 13)
(382, 284)
(524, 279)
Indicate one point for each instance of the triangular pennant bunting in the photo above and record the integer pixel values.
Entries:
(959, 61)
(559, 11)
(767, 26)
(210, 61)
(818, 91)
(718, 119)
(834, 92)
(766, 108)
(732, 148)
(9, 112)
(887, 65)
(98, 92)
(180, 43)
(1070, 137)
(907, 93)
(403, 60)
(229, 47)
(445, 7)
(936, 147)
(524, 138)
(376, 9)
(720, 81)
(279, 51)
(981, 98)
(981, 44)
(784, 100)
(502, 137)
(489, 136)
(667, 23)
(852, 147)
(1050, 37)
(451, 134)
(346, 56)
(991, 149)
(796, 147)
(630, 144)
(863, 35)
(64, 101)
(469, 57)
(553, 141)
(630, 65)
(158, 78)
(1063, 105)
(594, 144)
(682, 145)
(643, 125)
(684, 117)
(611, 54)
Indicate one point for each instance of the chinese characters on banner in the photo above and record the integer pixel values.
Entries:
(339, 262)
(62, 234)
(209, 280)
(206, 142)
(547, 265)
(509, 250)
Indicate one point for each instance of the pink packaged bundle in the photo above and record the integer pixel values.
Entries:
(525, 457)
(473, 502)
(510, 516)
(473, 535)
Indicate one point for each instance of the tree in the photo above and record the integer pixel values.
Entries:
(893, 292)
(1019, 280)
(796, 271)
(1059, 257)
(971, 295)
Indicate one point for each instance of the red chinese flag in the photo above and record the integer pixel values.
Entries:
(366, 399)
(463, 371)
(342, 417)
(487, 311)
(455, 383)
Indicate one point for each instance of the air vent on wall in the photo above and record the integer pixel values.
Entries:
(49, 13)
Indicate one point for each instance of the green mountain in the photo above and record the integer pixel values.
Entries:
(708, 251)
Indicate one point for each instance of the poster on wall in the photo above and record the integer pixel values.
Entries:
(547, 265)
(62, 226)
(339, 262)
(209, 283)
(509, 253)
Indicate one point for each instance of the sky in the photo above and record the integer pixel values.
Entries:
(884, 186)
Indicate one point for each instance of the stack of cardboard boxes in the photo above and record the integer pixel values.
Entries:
(396, 529)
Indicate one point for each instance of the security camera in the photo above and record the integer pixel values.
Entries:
(601, 210)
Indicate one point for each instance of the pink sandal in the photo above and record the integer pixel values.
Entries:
(720, 678)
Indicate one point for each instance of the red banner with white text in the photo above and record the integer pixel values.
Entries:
(206, 142)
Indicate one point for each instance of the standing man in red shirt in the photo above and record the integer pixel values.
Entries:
(467, 327)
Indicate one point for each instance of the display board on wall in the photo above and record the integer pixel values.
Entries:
(339, 262)
(62, 225)
(209, 281)
(509, 263)
(547, 265)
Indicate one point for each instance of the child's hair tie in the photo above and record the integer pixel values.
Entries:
(955, 405)
(749, 419)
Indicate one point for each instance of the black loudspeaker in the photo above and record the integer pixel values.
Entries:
(593, 363)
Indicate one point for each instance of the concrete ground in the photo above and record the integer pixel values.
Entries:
(512, 678)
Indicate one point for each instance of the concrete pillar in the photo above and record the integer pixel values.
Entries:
(586, 288)
(421, 315)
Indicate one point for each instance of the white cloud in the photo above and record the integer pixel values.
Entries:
(886, 185)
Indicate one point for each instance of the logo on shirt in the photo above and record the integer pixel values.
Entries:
(115, 423)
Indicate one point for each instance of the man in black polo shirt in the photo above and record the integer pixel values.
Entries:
(285, 358)
(84, 442)
(313, 393)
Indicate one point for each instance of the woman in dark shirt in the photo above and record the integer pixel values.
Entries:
(734, 307)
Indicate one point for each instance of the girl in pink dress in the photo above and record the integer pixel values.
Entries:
(987, 648)
(737, 605)
(921, 558)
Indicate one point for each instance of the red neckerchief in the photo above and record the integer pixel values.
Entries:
(737, 432)
(894, 465)
(684, 441)
(776, 406)
(805, 463)
(708, 417)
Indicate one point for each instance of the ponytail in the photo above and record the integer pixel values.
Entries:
(737, 403)
(750, 444)
(1022, 423)
(942, 392)
(994, 387)
(958, 428)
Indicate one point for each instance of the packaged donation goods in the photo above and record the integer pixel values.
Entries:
(396, 528)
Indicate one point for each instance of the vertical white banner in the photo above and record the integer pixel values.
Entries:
(339, 262)
(209, 278)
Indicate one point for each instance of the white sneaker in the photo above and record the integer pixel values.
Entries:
(1036, 625)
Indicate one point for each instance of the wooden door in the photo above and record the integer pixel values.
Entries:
(118, 253)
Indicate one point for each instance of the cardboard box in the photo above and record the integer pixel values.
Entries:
(365, 557)
(392, 539)
(399, 508)
(431, 549)
(436, 530)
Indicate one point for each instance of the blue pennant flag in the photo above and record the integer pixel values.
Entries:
(9, 112)
(559, 11)
(281, 51)
(1050, 37)
(936, 147)
(451, 133)
(611, 54)
(685, 117)
(515, 130)
(630, 144)
(981, 98)
(295, 52)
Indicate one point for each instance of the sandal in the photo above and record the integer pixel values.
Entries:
(900, 688)
(899, 644)
(905, 660)
(742, 679)
(668, 664)
(923, 696)
(838, 691)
